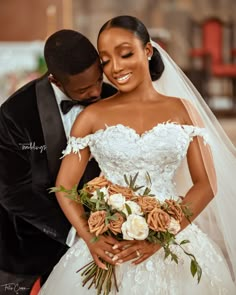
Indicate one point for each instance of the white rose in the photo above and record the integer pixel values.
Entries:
(102, 190)
(135, 227)
(116, 201)
(134, 207)
(174, 226)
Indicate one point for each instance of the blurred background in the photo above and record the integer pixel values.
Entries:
(200, 35)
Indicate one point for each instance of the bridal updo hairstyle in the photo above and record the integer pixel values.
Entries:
(134, 25)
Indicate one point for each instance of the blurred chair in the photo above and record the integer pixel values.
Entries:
(213, 35)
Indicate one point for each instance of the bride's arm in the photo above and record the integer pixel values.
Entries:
(70, 173)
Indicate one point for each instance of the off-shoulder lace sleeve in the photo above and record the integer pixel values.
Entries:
(196, 131)
(75, 144)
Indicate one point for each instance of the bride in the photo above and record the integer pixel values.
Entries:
(156, 123)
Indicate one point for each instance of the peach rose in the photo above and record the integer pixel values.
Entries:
(174, 209)
(147, 204)
(115, 225)
(158, 220)
(96, 222)
(118, 189)
(96, 183)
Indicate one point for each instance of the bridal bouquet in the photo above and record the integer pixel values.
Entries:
(125, 214)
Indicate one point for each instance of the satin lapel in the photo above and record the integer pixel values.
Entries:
(53, 130)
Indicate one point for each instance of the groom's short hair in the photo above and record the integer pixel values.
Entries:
(68, 52)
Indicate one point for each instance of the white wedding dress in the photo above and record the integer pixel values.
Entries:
(120, 150)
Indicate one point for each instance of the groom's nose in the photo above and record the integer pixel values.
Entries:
(95, 91)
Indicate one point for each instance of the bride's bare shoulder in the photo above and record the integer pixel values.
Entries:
(90, 117)
(181, 107)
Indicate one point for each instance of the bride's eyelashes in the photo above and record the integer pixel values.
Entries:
(127, 55)
(103, 63)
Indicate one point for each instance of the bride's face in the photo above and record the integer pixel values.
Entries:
(124, 58)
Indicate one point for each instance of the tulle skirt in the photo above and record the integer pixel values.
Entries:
(153, 276)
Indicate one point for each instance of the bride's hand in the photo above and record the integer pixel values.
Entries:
(137, 250)
(103, 249)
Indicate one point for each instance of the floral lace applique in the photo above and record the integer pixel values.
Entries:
(75, 144)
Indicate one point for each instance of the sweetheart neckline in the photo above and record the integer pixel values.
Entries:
(107, 127)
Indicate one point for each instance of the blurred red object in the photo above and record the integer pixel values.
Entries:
(36, 287)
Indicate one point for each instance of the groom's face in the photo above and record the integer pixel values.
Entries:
(85, 86)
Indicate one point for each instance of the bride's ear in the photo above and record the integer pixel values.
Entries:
(149, 50)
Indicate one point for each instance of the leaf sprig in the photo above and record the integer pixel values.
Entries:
(102, 279)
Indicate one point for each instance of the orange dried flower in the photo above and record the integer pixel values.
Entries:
(115, 225)
(118, 189)
(96, 222)
(158, 220)
(174, 209)
(96, 183)
(147, 203)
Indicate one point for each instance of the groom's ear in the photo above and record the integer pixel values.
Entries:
(53, 80)
(149, 49)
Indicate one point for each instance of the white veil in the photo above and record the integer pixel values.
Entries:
(217, 220)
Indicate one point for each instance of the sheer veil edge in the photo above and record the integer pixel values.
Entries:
(217, 219)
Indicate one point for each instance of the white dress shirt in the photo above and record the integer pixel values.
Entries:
(69, 118)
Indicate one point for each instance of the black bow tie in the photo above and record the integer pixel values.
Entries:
(67, 105)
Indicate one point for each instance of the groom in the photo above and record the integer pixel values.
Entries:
(34, 124)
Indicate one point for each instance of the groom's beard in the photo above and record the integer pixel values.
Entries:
(84, 102)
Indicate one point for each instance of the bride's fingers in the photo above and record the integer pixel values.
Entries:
(99, 262)
(145, 253)
(117, 245)
(112, 241)
(140, 259)
(139, 251)
(128, 252)
(103, 251)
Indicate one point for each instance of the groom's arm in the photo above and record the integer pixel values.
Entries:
(19, 195)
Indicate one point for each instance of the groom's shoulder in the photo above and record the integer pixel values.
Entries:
(23, 98)
(22, 104)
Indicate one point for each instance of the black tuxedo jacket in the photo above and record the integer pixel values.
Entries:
(33, 229)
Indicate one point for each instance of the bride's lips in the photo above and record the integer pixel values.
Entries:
(123, 79)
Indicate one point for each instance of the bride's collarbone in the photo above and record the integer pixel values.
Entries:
(140, 119)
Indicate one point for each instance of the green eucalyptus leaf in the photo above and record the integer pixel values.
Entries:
(184, 242)
(128, 209)
(193, 267)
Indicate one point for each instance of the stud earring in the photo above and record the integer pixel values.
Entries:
(149, 57)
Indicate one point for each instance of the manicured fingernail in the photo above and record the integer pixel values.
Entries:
(105, 268)
(118, 264)
(109, 254)
(115, 247)
(115, 258)
(120, 261)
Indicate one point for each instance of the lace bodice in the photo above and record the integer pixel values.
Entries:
(158, 153)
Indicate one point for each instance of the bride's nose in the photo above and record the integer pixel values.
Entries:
(116, 65)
